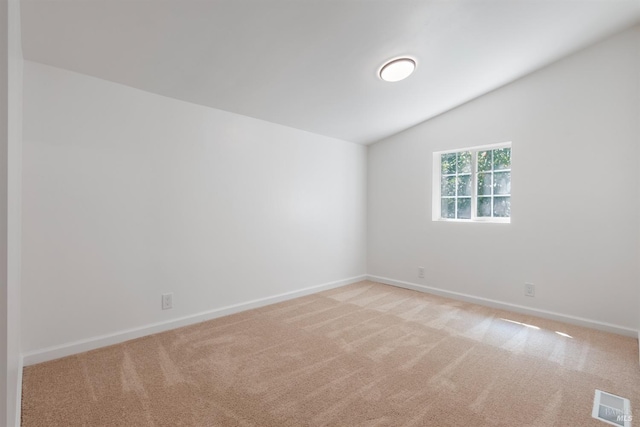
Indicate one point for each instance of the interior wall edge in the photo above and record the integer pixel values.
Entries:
(566, 318)
(69, 349)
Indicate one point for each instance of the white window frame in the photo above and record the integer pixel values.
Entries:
(437, 184)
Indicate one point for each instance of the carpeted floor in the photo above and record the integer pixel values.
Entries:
(361, 355)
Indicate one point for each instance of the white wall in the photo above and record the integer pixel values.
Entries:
(575, 192)
(128, 195)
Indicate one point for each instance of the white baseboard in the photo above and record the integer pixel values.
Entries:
(56, 352)
(19, 393)
(574, 320)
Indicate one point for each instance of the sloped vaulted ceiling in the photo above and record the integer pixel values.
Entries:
(312, 64)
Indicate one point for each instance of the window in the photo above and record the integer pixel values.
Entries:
(473, 184)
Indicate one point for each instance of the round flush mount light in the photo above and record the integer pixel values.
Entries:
(397, 69)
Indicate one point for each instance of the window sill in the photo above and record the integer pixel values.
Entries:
(478, 221)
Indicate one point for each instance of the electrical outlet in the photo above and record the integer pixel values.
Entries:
(529, 290)
(421, 272)
(167, 301)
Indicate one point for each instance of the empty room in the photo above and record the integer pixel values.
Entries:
(320, 213)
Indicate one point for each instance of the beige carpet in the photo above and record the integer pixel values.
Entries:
(361, 355)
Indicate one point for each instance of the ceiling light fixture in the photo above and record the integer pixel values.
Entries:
(397, 69)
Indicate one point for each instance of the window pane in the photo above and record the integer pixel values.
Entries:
(502, 158)
(475, 180)
(502, 206)
(464, 162)
(448, 186)
(448, 163)
(484, 184)
(484, 161)
(502, 183)
(484, 206)
(464, 185)
(464, 208)
(448, 208)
